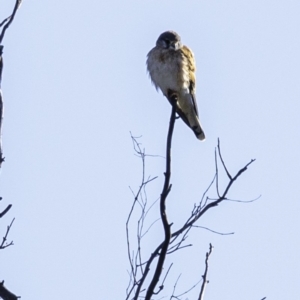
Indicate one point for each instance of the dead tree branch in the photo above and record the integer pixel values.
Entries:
(140, 270)
(205, 281)
(1, 106)
(6, 22)
(185, 292)
(5, 294)
(140, 200)
(199, 210)
(4, 244)
(166, 189)
(5, 210)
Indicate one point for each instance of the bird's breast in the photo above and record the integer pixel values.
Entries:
(167, 70)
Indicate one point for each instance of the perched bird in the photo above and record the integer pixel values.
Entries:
(171, 67)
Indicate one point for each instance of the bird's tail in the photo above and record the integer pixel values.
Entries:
(198, 132)
(195, 125)
(188, 113)
(193, 122)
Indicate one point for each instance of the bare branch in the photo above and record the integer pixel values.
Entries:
(5, 294)
(1, 106)
(220, 233)
(140, 198)
(206, 191)
(178, 248)
(217, 174)
(4, 21)
(9, 20)
(147, 230)
(205, 281)
(187, 291)
(3, 245)
(204, 205)
(178, 245)
(166, 189)
(174, 288)
(219, 150)
(242, 201)
(215, 203)
(5, 210)
(136, 259)
(163, 282)
(172, 241)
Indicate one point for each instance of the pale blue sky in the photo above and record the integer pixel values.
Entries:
(75, 85)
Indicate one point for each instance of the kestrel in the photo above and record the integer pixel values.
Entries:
(171, 67)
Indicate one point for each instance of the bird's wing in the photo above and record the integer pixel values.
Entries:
(189, 56)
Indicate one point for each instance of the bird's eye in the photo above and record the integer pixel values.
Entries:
(167, 43)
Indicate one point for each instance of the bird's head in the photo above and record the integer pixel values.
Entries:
(169, 40)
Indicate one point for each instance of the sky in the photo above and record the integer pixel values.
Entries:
(75, 85)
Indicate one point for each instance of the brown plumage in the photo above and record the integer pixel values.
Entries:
(171, 67)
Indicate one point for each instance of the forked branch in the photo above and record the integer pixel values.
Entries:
(140, 270)
(6, 22)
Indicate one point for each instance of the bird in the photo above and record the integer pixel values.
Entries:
(171, 67)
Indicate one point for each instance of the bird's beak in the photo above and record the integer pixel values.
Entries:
(174, 45)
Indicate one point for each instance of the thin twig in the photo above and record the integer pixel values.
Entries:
(206, 191)
(187, 291)
(130, 256)
(220, 233)
(147, 230)
(174, 287)
(3, 245)
(219, 150)
(140, 198)
(217, 174)
(179, 248)
(244, 201)
(205, 281)
(214, 203)
(163, 282)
